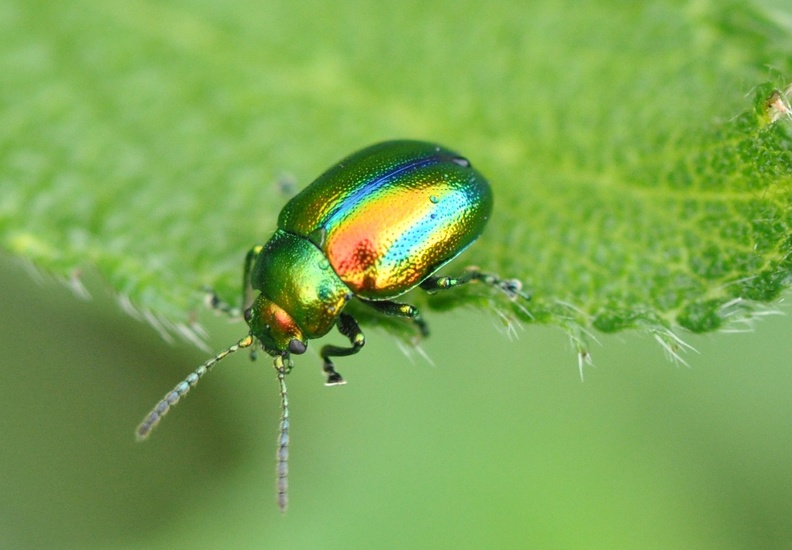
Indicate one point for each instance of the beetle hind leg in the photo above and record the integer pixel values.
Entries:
(348, 327)
(511, 287)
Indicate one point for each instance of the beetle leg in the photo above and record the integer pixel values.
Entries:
(511, 287)
(215, 302)
(397, 309)
(247, 285)
(348, 327)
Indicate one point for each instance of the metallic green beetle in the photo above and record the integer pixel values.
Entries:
(379, 223)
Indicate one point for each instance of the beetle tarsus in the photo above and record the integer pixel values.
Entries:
(333, 377)
(216, 303)
(511, 287)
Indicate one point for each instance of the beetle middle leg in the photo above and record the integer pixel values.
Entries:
(348, 327)
(398, 309)
(511, 287)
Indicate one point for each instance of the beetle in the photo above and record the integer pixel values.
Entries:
(379, 223)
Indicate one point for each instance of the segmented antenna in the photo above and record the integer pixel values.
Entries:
(282, 455)
(181, 389)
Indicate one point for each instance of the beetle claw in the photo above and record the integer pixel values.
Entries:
(513, 289)
(334, 379)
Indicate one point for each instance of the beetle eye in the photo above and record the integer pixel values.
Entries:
(296, 347)
(248, 314)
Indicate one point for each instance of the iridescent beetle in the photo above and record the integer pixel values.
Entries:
(379, 223)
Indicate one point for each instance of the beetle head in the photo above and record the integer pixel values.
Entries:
(274, 327)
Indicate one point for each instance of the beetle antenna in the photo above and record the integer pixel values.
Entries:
(282, 455)
(172, 397)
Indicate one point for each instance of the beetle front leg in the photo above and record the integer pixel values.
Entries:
(396, 309)
(348, 327)
(247, 284)
(511, 287)
(215, 302)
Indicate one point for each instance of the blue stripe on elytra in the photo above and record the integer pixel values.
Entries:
(369, 190)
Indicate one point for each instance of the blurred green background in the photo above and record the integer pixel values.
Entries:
(498, 445)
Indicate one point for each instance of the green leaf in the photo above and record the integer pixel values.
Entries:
(637, 185)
